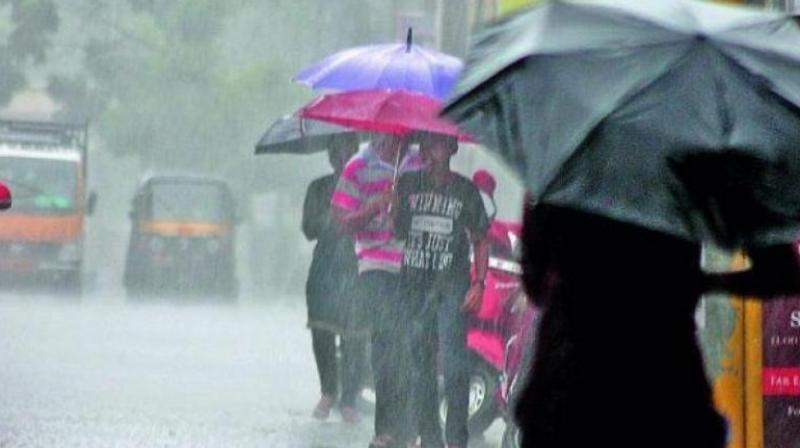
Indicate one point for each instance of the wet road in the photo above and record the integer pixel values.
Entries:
(105, 373)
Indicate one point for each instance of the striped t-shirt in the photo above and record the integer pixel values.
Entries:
(365, 176)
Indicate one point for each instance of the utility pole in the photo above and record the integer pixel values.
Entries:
(454, 25)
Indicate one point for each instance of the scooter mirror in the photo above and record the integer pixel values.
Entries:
(486, 184)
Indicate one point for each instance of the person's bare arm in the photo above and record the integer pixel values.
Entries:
(480, 248)
(775, 271)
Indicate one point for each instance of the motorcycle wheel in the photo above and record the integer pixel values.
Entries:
(482, 406)
(512, 437)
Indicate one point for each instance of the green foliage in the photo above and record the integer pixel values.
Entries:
(192, 84)
(74, 90)
(152, 82)
(11, 79)
(33, 22)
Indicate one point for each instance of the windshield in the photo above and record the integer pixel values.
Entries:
(188, 201)
(41, 186)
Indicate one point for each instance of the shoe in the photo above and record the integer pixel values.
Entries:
(350, 414)
(323, 408)
(382, 441)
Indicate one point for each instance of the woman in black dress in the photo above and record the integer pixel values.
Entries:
(329, 293)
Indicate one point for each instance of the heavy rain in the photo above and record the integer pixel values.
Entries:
(300, 223)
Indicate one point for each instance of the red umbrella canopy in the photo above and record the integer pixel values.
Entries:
(5, 197)
(383, 110)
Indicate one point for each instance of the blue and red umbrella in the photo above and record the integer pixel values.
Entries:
(394, 88)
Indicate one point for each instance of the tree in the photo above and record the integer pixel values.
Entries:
(33, 23)
(154, 82)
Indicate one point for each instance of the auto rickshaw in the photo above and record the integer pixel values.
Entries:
(182, 238)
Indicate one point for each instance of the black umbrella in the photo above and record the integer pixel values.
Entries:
(679, 116)
(294, 135)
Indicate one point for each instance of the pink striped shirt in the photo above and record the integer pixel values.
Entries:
(366, 175)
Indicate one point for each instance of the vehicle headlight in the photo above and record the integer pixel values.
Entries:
(155, 244)
(69, 252)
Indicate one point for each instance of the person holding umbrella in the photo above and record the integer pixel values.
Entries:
(619, 327)
(329, 291)
(361, 203)
(440, 214)
(679, 125)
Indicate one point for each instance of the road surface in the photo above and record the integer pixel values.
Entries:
(103, 373)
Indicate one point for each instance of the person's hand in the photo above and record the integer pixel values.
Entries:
(472, 301)
(381, 201)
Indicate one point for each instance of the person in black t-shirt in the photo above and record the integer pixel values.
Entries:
(439, 215)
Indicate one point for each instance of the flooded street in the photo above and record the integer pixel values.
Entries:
(105, 373)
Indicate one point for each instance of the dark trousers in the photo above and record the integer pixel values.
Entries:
(440, 327)
(353, 364)
(390, 364)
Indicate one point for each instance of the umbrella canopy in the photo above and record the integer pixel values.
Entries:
(386, 111)
(392, 66)
(295, 135)
(679, 116)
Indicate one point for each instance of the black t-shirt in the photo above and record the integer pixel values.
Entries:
(434, 220)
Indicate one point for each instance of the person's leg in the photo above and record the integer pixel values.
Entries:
(397, 363)
(373, 289)
(425, 389)
(455, 363)
(323, 344)
(353, 363)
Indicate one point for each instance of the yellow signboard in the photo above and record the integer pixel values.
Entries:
(507, 6)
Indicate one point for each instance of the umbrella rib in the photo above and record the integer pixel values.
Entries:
(405, 70)
(331, 67)
(766, 81)
(604, 11)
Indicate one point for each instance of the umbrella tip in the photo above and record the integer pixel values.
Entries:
(409, 38)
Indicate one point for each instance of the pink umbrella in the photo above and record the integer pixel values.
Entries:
(383, 110)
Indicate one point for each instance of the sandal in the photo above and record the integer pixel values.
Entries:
(350, 414)
(382, 441)
(323, 408)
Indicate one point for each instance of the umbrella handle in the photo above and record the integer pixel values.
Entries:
(396, 168)
(394, 177)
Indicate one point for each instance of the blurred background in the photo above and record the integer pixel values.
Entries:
(189, 86)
